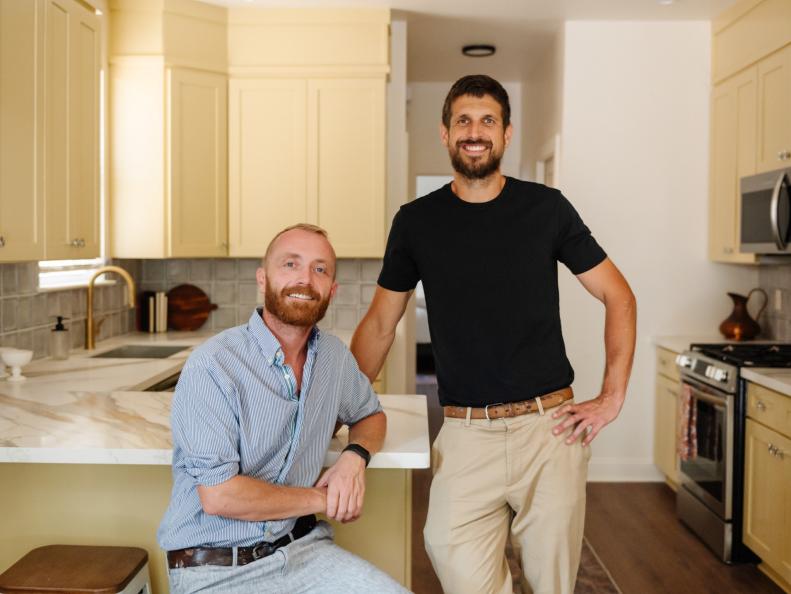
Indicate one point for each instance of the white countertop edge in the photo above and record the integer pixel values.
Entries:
(131, 457)
(763, 378)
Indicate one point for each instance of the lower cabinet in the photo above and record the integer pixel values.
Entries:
(668, 387)
(767, 498)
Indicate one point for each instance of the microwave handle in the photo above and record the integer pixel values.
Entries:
(774, 208)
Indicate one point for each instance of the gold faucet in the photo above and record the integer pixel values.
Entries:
(89, 332)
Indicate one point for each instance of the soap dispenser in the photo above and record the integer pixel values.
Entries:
(59, 342)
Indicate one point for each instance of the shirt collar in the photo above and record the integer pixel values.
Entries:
(269, 345)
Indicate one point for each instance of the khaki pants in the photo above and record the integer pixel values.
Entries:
(489, 474)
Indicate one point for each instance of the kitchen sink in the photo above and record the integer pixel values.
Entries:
(141, 351)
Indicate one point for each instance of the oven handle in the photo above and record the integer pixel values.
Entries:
(774, 211)
(699, 393)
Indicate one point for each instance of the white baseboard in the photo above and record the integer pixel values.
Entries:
(623, 470)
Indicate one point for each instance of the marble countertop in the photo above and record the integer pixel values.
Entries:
(775, 379)
(85, 410)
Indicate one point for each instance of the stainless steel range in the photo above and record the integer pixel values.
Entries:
(710, 497)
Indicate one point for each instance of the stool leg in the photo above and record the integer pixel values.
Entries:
(140, 584)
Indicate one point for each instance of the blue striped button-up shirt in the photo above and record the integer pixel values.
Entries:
(236, 411)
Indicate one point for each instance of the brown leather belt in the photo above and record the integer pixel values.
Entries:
(224, 556)
(512, 409)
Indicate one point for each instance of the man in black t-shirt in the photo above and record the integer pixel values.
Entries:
(486, 248)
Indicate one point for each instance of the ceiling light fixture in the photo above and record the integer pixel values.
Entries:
(665, 2)
(478, 50)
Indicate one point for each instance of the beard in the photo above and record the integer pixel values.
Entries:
(295, 313)
(479, 168)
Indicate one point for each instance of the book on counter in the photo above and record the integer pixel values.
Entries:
(152, 314)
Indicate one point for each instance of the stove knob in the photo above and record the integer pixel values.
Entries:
(709, 373)
(683, 361)
(721, 375)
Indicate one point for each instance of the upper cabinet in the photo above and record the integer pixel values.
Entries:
(49, 130)
(21, 132)
(307, 126)
(774, 115)
(71, 175)
(169, 113)
(750, 122)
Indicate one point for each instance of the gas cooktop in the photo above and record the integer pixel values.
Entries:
(748, 355)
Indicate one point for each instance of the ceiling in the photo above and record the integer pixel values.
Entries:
(522, 30)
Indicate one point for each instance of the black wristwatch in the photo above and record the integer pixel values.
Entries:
(360, 451)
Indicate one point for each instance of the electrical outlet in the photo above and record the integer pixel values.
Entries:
(778, 299)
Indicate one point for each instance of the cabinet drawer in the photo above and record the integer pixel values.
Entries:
(666, 364)
(769, 408)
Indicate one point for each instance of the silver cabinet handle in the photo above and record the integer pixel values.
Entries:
(774, 211)
(82, 242)
(780, 454)
(771, 448)
(760, 405)
(784, 155)
(2, 241)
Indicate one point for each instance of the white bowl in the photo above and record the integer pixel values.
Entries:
(16, 359)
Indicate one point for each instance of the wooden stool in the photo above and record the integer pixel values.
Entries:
(79, 569)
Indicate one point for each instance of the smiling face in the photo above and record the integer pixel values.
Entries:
(298, 277)
(476, 138)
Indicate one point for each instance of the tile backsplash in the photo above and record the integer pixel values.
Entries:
(776, 322)
(231, 284)
(27, 315)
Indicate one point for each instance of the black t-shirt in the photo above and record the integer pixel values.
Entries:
(489, 272)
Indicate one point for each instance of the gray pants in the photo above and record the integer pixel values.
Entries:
(311, 564)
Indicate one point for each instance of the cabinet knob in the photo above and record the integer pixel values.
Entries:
(771, 448)
(2, 241)
(82, 242)
(760, 405)
(74, 242)
(728, 250)
(784, 155)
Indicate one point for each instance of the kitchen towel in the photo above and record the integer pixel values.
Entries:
(686, 436)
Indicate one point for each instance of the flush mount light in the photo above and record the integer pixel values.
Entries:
(665, 2)
(478, 50)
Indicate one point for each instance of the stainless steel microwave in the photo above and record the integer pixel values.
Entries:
(766, 213)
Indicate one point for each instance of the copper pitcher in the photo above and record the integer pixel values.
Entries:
(739, 325)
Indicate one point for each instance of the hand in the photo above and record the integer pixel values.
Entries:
(590, 416)
(345, 483)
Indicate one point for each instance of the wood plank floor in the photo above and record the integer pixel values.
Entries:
(634, 530)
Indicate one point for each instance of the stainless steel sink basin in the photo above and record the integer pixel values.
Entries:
(141, 351)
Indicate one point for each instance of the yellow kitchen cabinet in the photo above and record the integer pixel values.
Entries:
(666, 415)
(774, 117)
(71, 179)
(268, 159)
(307, 150)
(21, 138)
(767, 499)
(169, 163)
(733, 148)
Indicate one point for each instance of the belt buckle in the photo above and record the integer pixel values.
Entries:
(261, 550)
(486, 409)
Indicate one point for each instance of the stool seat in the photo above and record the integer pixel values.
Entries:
(74, 569)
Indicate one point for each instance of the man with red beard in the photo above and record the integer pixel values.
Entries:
(486, 248)
(252, 417)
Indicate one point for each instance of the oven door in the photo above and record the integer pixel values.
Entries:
(708, 473)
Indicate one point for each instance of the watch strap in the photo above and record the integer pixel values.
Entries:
(360, 451)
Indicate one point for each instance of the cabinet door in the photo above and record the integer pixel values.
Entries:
(665, 456)
(774, 116)
(733, 133)
(21, 139)
(346, 125)
(767, 490)
(72, 131)
(198, 204)
(267, 156)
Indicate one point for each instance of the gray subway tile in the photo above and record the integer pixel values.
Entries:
(27, 277)
(371, 270)
(154, 270)
(325, 323)
(9, 340)
(225, 269)
(25, 340)
(24, 314)
(248, 293)
(41, 339)
(53, 305)
(248, 268)
(200, 270)
(10, 306)
(224, 293)
(40, 309)
(10, 279)
(345, 318)
(243, 313)
(347, 270)
(347, 294)
(223, 317)
(367, 293)
(177, 271)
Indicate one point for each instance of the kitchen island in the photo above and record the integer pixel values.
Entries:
(86, 454)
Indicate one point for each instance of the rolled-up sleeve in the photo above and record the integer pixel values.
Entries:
(205, 426)
(358, 399)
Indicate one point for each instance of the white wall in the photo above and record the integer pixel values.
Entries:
(427, 155)
(635, 164)
(542, 105)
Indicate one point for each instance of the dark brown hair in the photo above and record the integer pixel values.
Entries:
(477, 85)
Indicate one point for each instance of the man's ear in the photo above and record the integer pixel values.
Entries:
(444, 134)
(333, 289)
(509, 131)
(260, 278)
